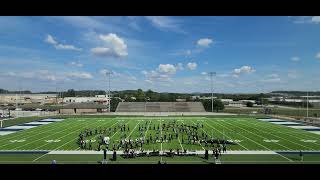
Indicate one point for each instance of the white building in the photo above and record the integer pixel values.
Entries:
(29, 98)
(99, 99)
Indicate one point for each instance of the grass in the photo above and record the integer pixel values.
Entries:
(20, 120)
(249, 133)
(298, 112)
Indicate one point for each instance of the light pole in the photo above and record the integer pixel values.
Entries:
(211, 74)
(307, 104)
(108, 74)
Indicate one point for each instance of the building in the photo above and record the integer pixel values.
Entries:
(235, 103)
(98, 99)
(29, 99)
(82, 108)
(226, 101)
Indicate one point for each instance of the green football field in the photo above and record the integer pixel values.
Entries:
(246, 137)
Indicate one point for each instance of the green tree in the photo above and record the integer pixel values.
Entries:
(249, 104)
(69, 93)
(217, 105)
(114, 103)
(140, 95)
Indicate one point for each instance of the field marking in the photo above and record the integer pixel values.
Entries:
(61, 137)
(56, 127)
(145, 134)
(33, 130)
(279, 136)
(86, 127)
(263, 137)
(87, 124)
(168, 161)
(179, 138)
(294, 131)
(37, 134)
(104, 124)
(48, 136)
(133, 129)
(222, 133)
(197, 132)
(261, 144)
(41, 129)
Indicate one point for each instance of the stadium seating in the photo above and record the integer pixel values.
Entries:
(160, 107)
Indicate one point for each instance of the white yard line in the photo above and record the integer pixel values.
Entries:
(202, 130)
(59, 146)
(262, 145)
(179, 138)
(280, 137)
(77, 137)
(133, 129)
(50, 135)
(222, 133)
(66, 142)
(260, 136)
(293, 134)
(22, 133)
(147, 130)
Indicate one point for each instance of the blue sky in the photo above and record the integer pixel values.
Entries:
(167, 54)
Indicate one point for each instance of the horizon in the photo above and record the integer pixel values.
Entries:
(250, 55)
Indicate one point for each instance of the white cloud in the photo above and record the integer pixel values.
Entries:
(318, 55)
(243, 70)
(273, 75)
(103, 51)
(204, 73)
(163, 73)
(315, 19)
(113, 73)
(204, 42)
(144, 72)
(149, 81)
(293, 74)
(165, 23)
(192, 65)
(50, 40)
(67, 47)
(79, 75)
(39, 74)
(306, 20)
(76, 63)
(114, 46)
(167, 68)
(295, 59)
(179, 66)
(272, 80)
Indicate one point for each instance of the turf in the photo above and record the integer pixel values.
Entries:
(249, 134)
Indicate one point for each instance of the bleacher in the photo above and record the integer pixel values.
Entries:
(160, 107)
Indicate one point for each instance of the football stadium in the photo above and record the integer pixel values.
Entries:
(159, 90)
(160, 138)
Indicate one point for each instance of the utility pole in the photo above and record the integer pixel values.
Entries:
(211, 74)
(307, 104)
(108, 74)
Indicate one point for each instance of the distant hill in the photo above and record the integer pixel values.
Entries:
(297, 93)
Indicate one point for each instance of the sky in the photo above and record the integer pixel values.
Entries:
(161, 53)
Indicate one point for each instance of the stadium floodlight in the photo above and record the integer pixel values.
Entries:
(211, 74)
(307, 104)
(108, 74)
